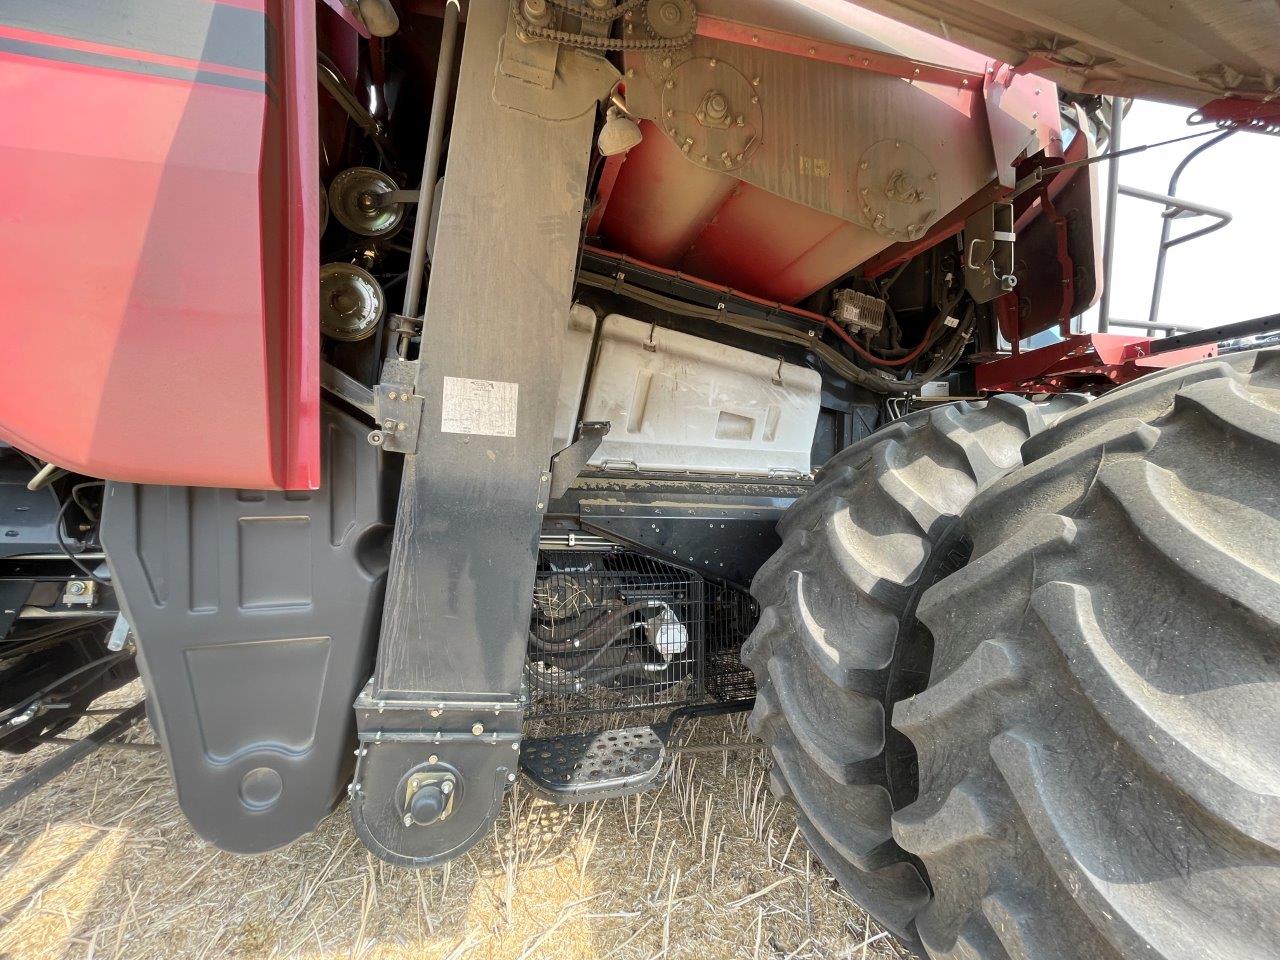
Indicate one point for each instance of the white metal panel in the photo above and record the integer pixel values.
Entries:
(681, 403)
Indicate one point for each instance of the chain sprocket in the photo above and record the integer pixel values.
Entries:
(582, 12)
(601, 44)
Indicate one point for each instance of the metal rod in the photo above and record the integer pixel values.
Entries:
(1142, 325)
(64, 761)
(1109, 227)
(1166, 229)
(430, 172)
(1228, 331)
(331, 79)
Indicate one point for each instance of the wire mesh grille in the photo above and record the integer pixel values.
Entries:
(731, 616)
(615, 631)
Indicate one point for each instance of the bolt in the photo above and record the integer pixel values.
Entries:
(669, 84)
(755, 81)
(477, 728)
(433, 759)
(812, 51)
(446, 787)
(408, 820)
(713, 62)
(75, 587)
(436, 713)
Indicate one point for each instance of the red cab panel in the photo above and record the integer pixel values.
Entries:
(157, 240)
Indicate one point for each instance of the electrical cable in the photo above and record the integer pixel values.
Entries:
(105, 663)
(877, 381)
(57, 529)
(62, 509)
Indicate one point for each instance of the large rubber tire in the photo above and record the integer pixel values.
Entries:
(838, 603)
(1099, 744)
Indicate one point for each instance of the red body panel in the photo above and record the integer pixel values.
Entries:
(159, 297)
(1082, 361)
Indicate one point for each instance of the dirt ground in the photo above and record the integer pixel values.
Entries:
(100, 863)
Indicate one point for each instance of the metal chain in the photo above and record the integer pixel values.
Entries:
(596, 43)
(579, 9)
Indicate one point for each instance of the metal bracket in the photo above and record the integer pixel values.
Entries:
(988, 247)
(541, 78)
(397, 408)
(568, 463)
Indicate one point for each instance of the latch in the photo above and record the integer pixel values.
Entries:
(988, 252)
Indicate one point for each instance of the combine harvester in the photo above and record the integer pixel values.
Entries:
(405, 389)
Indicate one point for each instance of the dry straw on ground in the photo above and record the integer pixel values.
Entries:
(101, 864)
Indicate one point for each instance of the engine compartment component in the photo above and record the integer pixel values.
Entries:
(360, 198)
(859, 312)
(613, 630)
(352, 303)
(681, 403)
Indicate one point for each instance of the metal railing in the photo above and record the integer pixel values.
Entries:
(1175, 208)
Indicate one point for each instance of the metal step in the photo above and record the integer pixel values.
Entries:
(581, 767)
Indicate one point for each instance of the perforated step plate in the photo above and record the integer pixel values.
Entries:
(580, 767)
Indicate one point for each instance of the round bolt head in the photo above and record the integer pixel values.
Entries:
(477, 728)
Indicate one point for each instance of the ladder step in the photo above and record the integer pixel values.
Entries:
(580, 767)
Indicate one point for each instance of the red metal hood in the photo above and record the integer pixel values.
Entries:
(158, 239)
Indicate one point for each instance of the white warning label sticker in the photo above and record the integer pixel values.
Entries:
(482, 407)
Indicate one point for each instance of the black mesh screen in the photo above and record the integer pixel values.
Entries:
(614, 631)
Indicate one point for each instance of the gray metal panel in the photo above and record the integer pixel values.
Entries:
(255, 614)
(1181, 51)
(465, 544)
